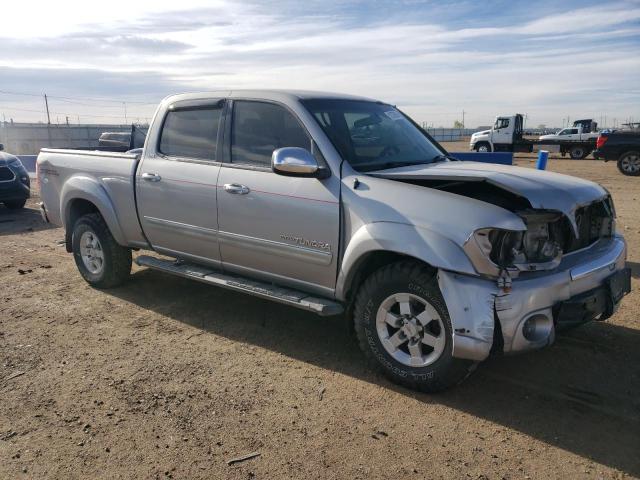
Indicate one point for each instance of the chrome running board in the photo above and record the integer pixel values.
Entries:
(287, 296)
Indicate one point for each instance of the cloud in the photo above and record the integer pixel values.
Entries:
(430, 58)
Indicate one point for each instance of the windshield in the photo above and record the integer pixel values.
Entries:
(372, 135)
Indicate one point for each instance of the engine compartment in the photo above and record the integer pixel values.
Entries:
(549, 234)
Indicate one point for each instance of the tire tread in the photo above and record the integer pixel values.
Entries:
(456, 370)
(117, 270)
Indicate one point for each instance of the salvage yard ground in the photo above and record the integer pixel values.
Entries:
(167, 378)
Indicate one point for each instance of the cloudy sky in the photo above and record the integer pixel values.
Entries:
(549, 59)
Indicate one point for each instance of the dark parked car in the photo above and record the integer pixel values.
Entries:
(14, 181)
(622, 146)
(118, 141)
(122, 141)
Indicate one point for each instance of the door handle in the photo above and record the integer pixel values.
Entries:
(236, 188)
(151, 177)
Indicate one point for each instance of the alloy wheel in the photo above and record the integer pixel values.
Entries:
(410, 330)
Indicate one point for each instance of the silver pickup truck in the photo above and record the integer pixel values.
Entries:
(340, 204)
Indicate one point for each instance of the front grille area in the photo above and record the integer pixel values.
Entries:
(6, 174)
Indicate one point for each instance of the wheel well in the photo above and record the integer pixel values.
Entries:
(371, 262)
(77, 209)
(627, 152)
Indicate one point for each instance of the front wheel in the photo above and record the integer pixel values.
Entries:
(403, 327)
(483, 147)
(629, 163)
(102, 262)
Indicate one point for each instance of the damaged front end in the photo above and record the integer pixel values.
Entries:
(540, 247)
(561, 260)
(530, 276)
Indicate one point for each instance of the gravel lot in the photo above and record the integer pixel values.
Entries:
(167, 378)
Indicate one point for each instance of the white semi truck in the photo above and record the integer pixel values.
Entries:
(507, 135)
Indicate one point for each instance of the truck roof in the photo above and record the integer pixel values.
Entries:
(268, 94)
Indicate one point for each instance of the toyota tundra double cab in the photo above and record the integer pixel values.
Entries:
(340, 204)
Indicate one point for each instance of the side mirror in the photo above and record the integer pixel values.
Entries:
(1, 147)
(297, 162)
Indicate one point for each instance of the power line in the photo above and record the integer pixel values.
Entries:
(71, 99)
(62, 113)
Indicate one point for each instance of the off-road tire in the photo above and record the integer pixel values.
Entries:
(418, 279)
(620, 163)
(14, 204)
(483, 144)
(117, 259)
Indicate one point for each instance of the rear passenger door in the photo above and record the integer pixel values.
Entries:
(176, 182)
(272, 227)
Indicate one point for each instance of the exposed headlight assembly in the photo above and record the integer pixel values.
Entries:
(493, 251)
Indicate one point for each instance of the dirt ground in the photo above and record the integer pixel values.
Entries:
(167, 378)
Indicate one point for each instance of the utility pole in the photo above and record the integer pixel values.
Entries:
(463, 118)
(46, 104)
(125, 112)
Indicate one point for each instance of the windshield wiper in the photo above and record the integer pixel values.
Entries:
(387, 165)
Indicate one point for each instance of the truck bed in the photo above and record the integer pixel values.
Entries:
(111, 180)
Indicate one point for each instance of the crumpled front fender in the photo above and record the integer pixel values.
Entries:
(429, 246)
(471, 303)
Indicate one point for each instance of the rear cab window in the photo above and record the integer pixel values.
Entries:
(191, 132)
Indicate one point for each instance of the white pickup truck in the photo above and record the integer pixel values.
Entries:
(507, 135)
(572, 133)
(333, 203)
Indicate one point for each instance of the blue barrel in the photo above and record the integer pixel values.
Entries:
(543, 156)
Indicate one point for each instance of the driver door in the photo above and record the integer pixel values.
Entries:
(502, 133)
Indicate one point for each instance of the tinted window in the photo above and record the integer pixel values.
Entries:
(191, 133)
(260, 128)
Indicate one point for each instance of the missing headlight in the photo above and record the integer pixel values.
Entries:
(506, 247)
(539, 247)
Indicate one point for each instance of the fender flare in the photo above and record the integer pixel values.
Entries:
(423, 244)
(88, 188)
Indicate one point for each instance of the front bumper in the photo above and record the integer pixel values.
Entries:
(529, 313)
(14, 190)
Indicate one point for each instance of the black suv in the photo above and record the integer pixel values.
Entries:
(14, 181)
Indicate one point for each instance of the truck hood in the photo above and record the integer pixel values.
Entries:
(483, 132)
(542, 189)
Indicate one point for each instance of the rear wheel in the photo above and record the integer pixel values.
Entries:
(102, 262)
(483, 147)
(403, 327)
(578, 153)
(15, 204)
(629, 163)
